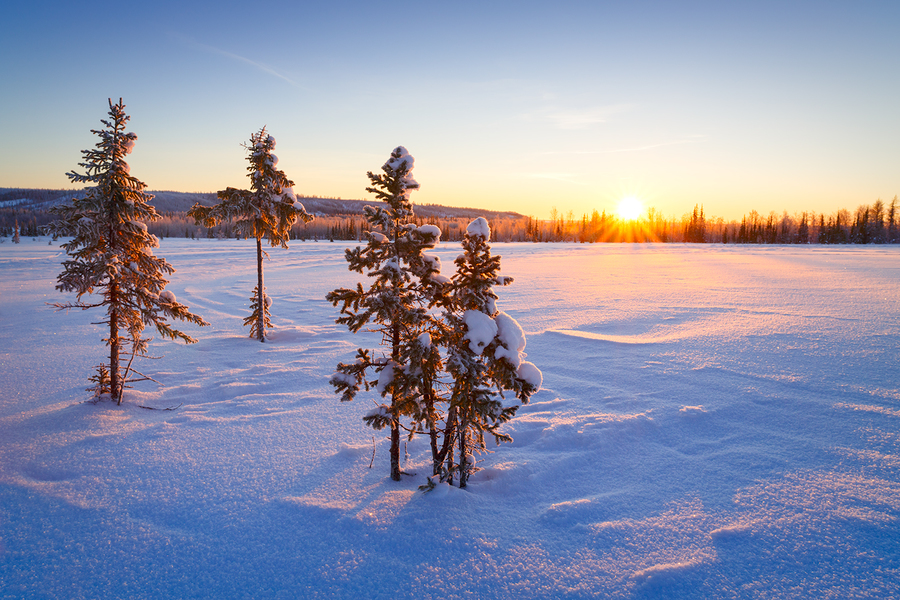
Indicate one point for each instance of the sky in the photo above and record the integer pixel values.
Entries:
(523, 106)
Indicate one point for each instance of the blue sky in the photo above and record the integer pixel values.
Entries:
(505, 105)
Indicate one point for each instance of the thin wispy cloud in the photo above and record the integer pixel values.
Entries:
(562, 177)
(649, 146)
(573, 119)
(238, 58)
(692, 140)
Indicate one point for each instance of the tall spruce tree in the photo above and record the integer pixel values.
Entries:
(267, 210)
(111, 253)
(485, 351)
(405, 283)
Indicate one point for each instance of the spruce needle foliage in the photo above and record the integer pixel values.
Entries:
(447, 353)
(256, 310)
(484, 352)
(267, 210)
(404, 283)
(111, 253)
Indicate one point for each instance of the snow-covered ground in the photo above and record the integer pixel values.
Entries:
(716, 422)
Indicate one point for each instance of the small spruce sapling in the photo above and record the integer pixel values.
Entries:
(267, 210)
(111, 254)
(404, 281)
(485, 350)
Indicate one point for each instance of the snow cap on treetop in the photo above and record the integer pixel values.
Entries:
(398, 157)
(269, 140)
(479, 227)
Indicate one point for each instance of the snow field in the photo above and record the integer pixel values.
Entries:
(716, 422)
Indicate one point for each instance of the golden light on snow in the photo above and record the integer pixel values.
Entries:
(630, 208)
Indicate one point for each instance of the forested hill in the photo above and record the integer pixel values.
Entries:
(26, 200)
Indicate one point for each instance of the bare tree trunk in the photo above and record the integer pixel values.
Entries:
(448, 460)
(463, 453)
(260, 294)
(395, 417)
(114, 384)
(439, 456)
(115, 387)
(395, 448)
(432, 431)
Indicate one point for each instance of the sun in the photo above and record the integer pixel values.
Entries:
(630, 208)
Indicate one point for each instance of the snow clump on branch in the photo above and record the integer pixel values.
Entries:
(512, 339)
(385, 378)
(480, 330)
(430, 230)
(529, 373)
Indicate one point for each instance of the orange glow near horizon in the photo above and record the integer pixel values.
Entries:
(630, 208)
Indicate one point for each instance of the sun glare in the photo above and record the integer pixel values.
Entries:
(630, 208)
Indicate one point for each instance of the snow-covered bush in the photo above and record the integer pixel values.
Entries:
(448, 353)
(485, 351)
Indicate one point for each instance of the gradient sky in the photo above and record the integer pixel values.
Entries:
(505, 105)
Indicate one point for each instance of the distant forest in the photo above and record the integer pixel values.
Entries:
(878, 223)
(338, 219)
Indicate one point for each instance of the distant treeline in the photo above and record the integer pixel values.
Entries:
(329, 227)
(324, 227)
(878, 223)
(336, 218)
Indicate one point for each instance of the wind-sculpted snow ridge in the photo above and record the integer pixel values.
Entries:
(648, 338)
(713, 423)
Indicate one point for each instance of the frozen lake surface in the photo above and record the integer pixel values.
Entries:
(715, 422)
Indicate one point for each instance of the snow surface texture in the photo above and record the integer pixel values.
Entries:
(716, 422)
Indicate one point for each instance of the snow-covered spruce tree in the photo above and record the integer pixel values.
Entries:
(485, 350)
(267, 210)
(16, 232)
(404, 282)
(111, 253)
